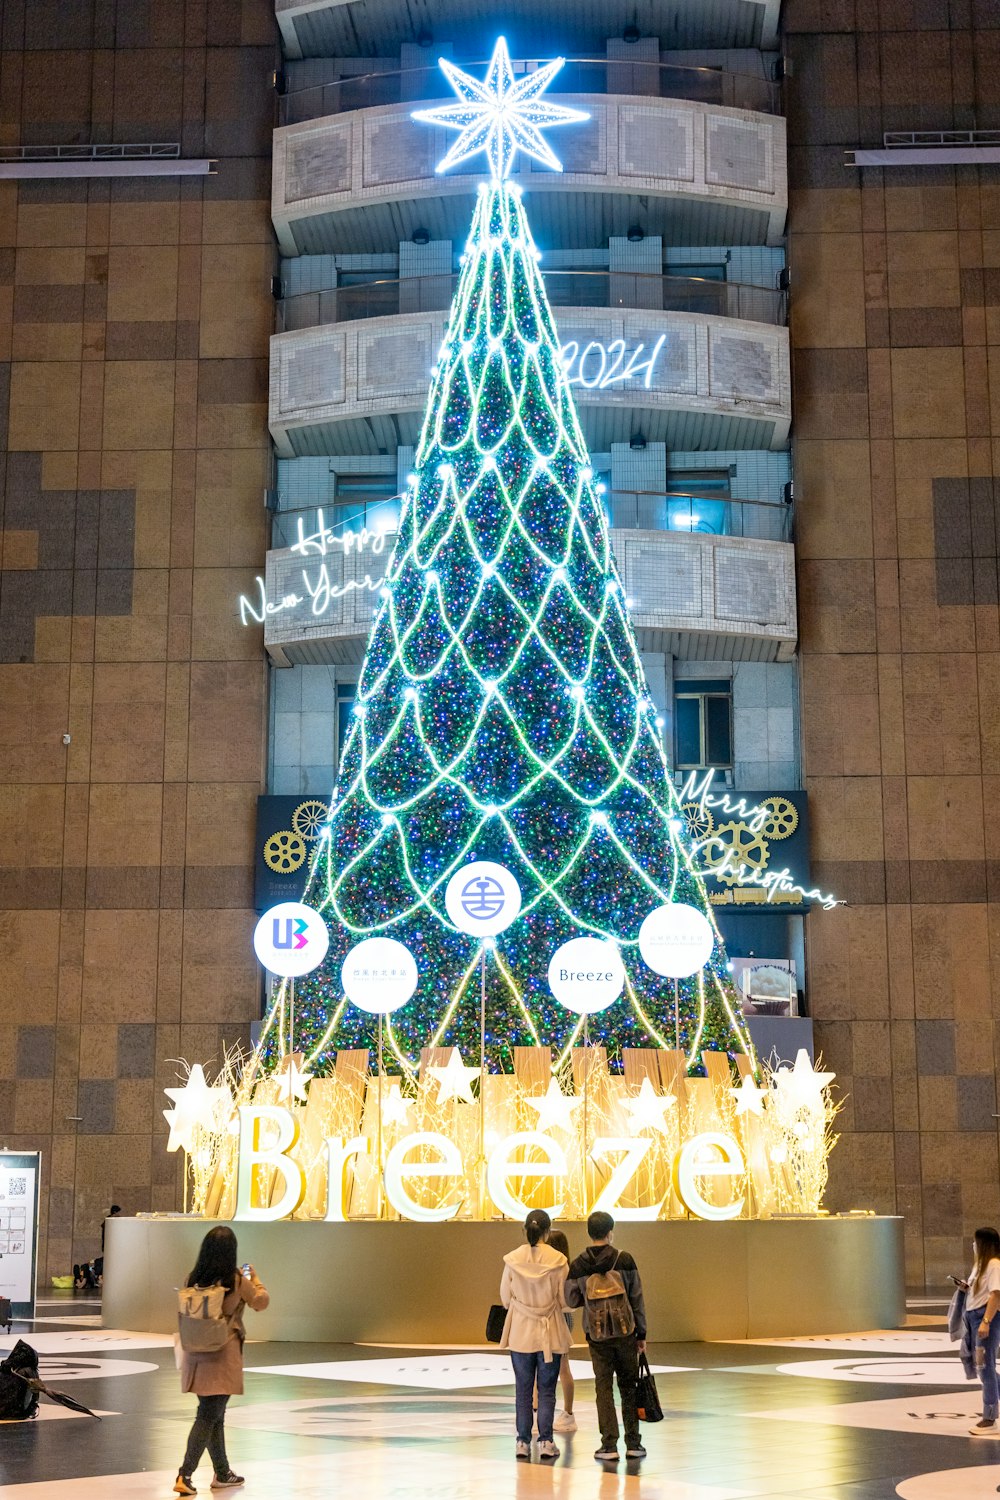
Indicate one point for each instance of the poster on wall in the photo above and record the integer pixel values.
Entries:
(19, 1184)
(288, 831)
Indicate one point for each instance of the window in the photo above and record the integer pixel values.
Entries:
(696, 500)
(714, 484)
(714, 270)
(346, 694)
(366, 500)
(703, 724)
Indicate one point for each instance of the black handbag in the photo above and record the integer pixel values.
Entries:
(495, 1323)
(646, 1398)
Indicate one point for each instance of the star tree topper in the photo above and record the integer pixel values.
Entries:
(501, 115)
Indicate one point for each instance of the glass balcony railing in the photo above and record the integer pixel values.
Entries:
(331, 527)
(418, 294)
(704, 514)
(581, 75)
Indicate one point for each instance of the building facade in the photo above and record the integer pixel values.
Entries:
(134, 314)
(894, 331)
(215, 388)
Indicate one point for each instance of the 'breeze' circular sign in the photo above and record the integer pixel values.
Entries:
(379, 975)
(586, 975)
(676, 940)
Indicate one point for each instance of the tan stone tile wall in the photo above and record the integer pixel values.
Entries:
(896, 379)
(134, 326)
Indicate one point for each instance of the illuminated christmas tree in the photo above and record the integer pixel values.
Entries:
(502, 711)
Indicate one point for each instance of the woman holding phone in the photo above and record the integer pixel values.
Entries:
(982, 1305)
(214, 1377)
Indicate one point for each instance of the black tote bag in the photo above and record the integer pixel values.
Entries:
(494, 1323)
(646, 1397)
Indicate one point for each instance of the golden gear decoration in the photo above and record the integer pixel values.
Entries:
(308, 819)
(284, 852)
(747, 848)
(784, 818)
(700, 821)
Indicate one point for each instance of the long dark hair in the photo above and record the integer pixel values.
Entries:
(216, 1263)
(537, 1225)
(987, 1243)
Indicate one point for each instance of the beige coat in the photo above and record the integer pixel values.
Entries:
(532, 1292)
(221, 1372)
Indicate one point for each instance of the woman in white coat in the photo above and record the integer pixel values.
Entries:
(535, 1330)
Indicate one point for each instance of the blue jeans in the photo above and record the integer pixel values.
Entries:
(527, 1369)
(988, 1373)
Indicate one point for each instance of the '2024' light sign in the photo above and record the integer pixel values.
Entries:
(597, 367)
(710, 1155)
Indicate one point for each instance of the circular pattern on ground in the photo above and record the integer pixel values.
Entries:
(952, 1484)
(901, 1370)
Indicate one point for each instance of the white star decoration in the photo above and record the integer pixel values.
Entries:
(395, 1108)
(500, 116)
(749, 1098)
(454, 1080)
(802, 1087)
(293, 1078)
(555, 1109)
(195, 1105)
(646, 1110)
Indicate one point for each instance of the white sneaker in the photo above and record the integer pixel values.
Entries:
(522, 1452)
(548, 1450)
(564, 1421)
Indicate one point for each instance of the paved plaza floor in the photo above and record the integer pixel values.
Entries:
(861, 1416)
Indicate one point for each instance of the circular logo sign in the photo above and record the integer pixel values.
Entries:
(291, 939)
(482, 898)
(676, 940)
(379, 975)
(586, 975)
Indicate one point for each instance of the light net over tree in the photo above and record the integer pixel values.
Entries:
(502, 711)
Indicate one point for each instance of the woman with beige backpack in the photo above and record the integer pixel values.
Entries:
(211, 1335)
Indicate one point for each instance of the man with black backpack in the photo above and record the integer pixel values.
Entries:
(605, 1283)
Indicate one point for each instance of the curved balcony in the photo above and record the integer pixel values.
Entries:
(331, 28)
(696, 382)
(358, 183)
(579, 75)
(696, 595)
(386, 297)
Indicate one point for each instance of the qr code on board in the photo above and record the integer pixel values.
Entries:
(17, 1187)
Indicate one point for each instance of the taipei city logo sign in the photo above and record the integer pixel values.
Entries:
(291, 939)
(482, 899)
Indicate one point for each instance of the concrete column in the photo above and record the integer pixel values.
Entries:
(638, 480)
(636, 269)
(419, 71)
(424, 276)
(626, 78)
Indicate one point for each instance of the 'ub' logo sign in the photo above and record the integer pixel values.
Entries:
(289, 932)
(291, 939)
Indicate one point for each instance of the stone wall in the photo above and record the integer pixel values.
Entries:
(134, 324)
(896, 340)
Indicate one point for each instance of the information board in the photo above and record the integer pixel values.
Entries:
(19, 1183)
